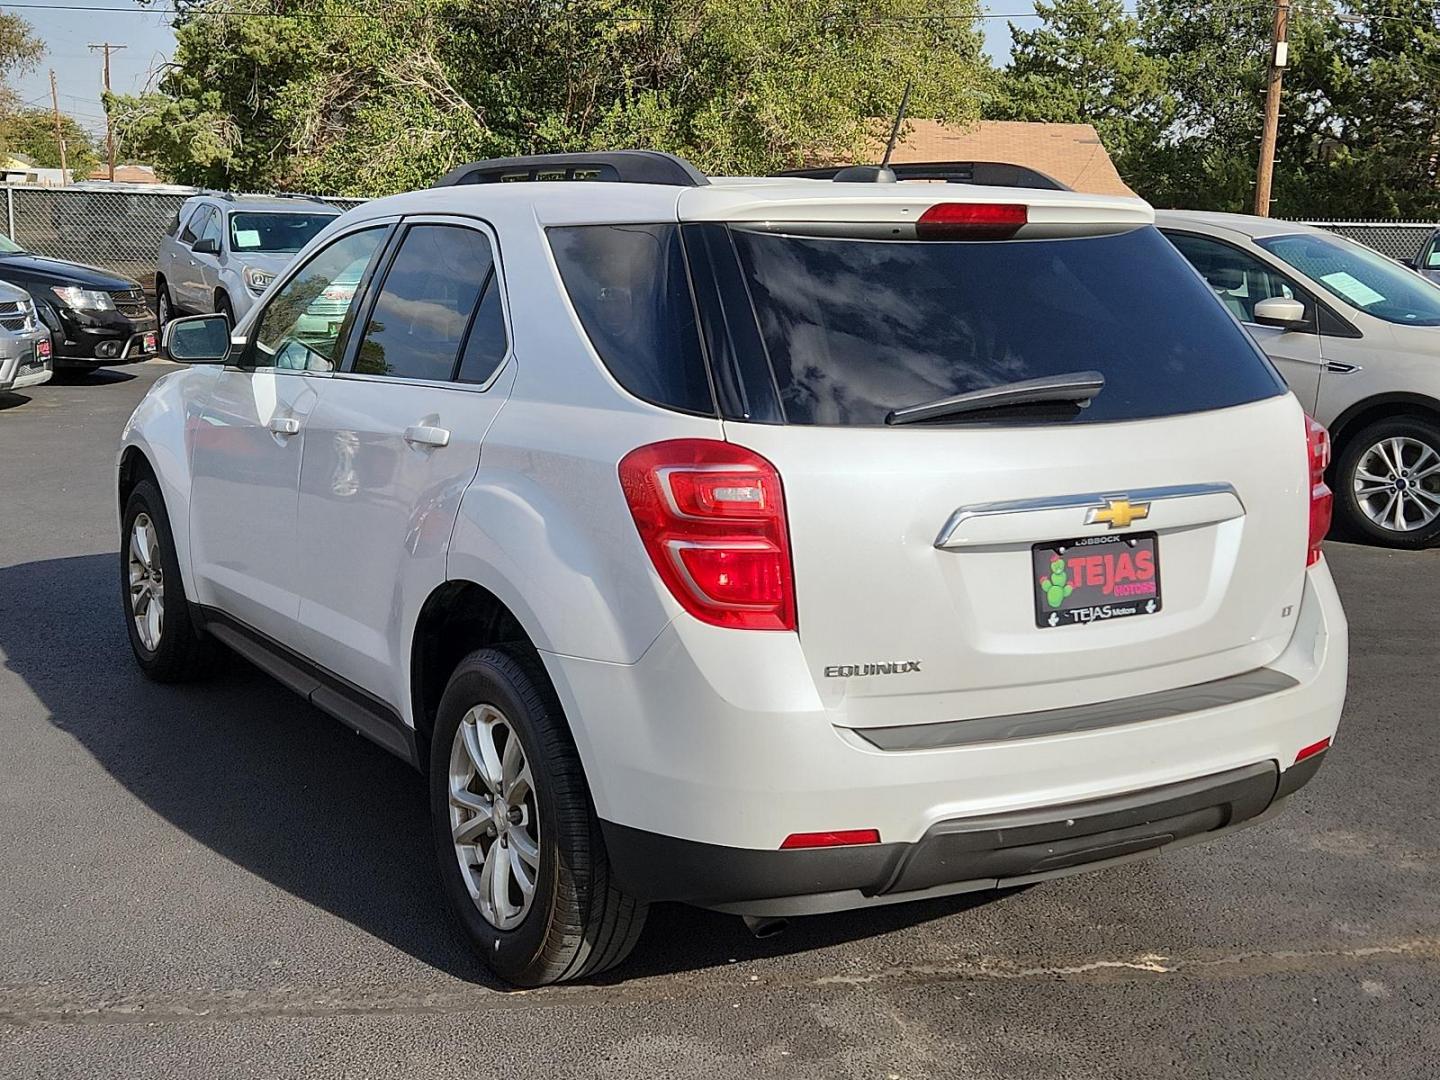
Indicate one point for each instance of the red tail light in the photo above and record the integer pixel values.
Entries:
(838, 838)
(712, 518)
(971, 221)
(1317, 441)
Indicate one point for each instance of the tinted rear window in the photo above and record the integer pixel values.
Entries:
(629, 287)
(855, 328)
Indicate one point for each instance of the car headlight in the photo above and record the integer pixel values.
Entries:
(72, 296)
(257, 279)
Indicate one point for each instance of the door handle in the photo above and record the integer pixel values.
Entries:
(284, 425)
(425, 435)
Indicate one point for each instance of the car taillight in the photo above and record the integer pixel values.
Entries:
(712, 518)
(1317, 441)
(971, 221)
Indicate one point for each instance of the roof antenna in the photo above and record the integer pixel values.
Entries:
(882, 173)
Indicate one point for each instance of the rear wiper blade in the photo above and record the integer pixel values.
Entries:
(1075, 388)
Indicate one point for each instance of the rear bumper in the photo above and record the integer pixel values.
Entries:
(954, 856)
(714, 747)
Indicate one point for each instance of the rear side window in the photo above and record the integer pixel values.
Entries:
(629, 287)
(198, 217)
(855, 328)
(420, 317)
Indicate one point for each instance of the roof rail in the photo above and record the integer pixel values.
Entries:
(987, 173)
(615, 166)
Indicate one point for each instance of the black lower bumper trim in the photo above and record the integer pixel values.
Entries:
(978, 851)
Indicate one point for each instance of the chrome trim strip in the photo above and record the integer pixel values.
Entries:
(1079, 502)
(1157, 706)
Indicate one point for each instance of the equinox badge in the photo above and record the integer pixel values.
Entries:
(1117, 513)
(890, 667)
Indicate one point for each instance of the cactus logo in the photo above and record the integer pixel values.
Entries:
(1056, 584)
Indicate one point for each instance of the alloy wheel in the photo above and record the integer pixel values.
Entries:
(1397, 484)
(147, 582)
(494, 818)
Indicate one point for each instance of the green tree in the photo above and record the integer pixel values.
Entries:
(1086, 63)
(19, 50)
(32, 132)
(324, 98)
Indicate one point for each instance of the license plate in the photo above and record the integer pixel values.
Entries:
(147, 342)
(42, 349)
(1095, 579)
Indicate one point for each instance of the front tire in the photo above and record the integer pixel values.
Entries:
(224, 307)
(165, 641)
(522, 861)
(1387, 482)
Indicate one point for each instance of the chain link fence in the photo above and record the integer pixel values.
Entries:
(117, 227)
(1400, 240)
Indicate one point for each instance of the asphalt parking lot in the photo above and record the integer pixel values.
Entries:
(218, 881)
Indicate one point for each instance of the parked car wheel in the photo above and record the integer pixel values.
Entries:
(1388, 482)
(521, 856)
(164, 306)
(166, 644)
(223, 305)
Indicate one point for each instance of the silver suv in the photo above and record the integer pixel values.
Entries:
(1357, 337)
(221, 251)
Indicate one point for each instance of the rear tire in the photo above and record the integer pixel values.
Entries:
(1387, 482)
(531, 800)
(167, 645)
(164, 306)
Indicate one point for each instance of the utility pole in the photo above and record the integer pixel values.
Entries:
(109, 132)
(1279, 59)
(59, 132)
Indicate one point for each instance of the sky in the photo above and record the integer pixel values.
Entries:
(148, 42)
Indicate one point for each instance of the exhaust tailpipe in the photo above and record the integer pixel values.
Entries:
(764, 927)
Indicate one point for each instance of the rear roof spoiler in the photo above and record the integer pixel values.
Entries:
(986, 173)
(614, 166)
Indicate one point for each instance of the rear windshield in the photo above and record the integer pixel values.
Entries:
(856, 328)
(830, 331)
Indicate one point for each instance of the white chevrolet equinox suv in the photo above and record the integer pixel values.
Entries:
(774, 545)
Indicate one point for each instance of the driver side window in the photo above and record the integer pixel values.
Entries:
(301, 327)
(1239, 279)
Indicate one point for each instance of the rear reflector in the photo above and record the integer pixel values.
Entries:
(971, 221)
(839, 838)
(1317, 441)
(1312, 750)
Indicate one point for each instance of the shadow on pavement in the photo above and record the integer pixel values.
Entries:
(100, 376)
(243, 766)
(11, 400)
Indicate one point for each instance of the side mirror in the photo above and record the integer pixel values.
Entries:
(1281, 312)
(197, 339)
(206, 246)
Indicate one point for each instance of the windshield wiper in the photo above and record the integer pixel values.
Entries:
(1075, 388)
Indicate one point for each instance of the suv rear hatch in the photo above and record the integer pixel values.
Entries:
(1085, 547)
(1003, 561)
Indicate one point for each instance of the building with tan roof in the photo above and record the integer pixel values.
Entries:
(1070, 153)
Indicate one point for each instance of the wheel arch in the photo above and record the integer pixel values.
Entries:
(134, 467)
(1381, 407)
(458, 617)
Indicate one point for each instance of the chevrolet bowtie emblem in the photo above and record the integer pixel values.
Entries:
(1117, 513)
